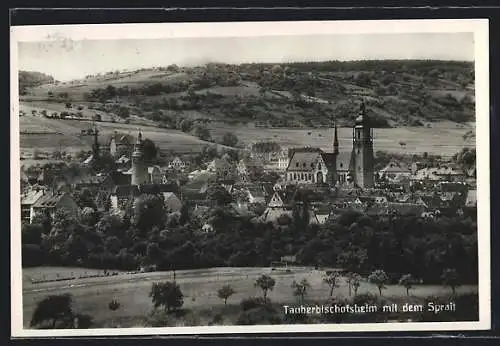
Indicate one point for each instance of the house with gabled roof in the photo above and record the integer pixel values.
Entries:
(50, 203)
(28, 199)
(395, 171)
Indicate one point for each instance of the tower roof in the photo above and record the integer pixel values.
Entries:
(362, 118)
(138, 145)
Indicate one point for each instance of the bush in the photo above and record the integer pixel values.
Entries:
(254, 302)
(259, 315)
(367, 298)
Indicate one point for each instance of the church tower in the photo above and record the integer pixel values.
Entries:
(335, 139)
(362, 150)
(139, 169)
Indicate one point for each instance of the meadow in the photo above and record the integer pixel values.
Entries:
(92, 295)
(444, 138)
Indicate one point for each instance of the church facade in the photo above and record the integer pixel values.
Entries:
(314, 166)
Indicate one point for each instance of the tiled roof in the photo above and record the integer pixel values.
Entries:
(31, 197)
(396, 167)
(48, 201)
(343, 161)
(303, 161)
(292, 151)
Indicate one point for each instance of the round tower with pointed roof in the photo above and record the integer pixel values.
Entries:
(139, 169)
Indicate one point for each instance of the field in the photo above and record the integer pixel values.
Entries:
(443, 138)
(92, 295)
(66, 134)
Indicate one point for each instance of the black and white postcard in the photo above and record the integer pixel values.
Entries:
(214, 178)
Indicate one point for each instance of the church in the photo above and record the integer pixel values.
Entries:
(314, 166)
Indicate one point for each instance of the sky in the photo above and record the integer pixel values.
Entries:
(66, 60)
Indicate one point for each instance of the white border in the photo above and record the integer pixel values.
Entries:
(245, 29)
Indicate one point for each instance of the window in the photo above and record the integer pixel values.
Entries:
(304, 164)
(341, 165)
(295, 176)
(319, 166)
(312, 165)
(296, 164)
(302, 176)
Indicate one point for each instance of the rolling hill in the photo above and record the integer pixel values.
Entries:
(264, 96)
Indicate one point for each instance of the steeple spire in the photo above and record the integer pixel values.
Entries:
(335, 139)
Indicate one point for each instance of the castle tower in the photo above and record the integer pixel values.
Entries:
(362, 150)
(139, 169)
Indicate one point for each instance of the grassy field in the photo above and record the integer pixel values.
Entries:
(443, 138)
(66, 134)
(92, 295)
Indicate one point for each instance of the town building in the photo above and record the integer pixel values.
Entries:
(155, 175)
(28, 199)
(313, 166)
(50, 203)
(394, 172)
(178, 164)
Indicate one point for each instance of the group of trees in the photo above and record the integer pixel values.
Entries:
(55, 311)
(355, 242)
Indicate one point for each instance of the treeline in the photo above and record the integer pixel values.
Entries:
(29, 79)
(355, 242)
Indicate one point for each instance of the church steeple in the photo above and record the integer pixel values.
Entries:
(335, 139)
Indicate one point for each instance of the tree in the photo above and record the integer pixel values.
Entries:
(149, 150)
(203, 133)
(379, 278)
(300, 289)
(451, 279)
(265, 283)
(407, 281)
(167, 294)
(123, 112)
(219, 195)
(229, 139)
(352, 260)
(331, 279)
(114, 305)
(225, 292)
(186, 125)
(149, 211)
(85, 199)
(354, 281)
(53, 309)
